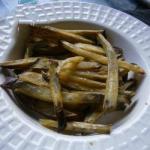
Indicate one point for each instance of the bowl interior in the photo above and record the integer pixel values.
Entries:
(131, 53)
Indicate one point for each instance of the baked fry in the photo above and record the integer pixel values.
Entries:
(91, 75)
(86, 82)
(57, 34)
(85, 65)
(19, 64)
(69, 98)
(89, 33)
(67, 67)
(56, 94)
(91, 48)
(111, 93)
(78, 126)
(99, 58)
(34, 78)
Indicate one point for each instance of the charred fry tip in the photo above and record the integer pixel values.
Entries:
(62, 121)
(9, 82)
(79, 126)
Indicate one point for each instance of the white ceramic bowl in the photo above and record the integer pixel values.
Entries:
(19, 131)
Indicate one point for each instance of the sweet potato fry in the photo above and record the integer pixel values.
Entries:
(67, 67)
(111, 93)
(34, 78)
(92, 117)
(78, 126)
(57, 34)
(19, 64)
(43, 64)
(91, 75)
(56, 94)
(89, 33)
(70, 98)
(99, 58)
(66, 73)
(88, 65)
(86, 82)
(78, 87)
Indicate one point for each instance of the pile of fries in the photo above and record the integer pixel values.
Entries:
(71, 78)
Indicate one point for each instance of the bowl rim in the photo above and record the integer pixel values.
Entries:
(85, 12)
